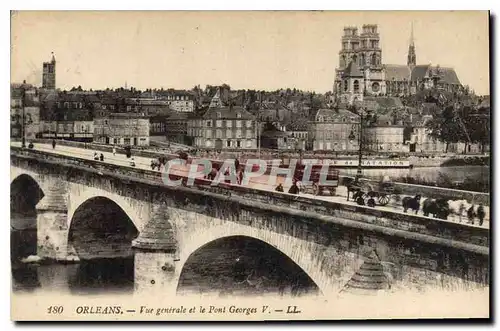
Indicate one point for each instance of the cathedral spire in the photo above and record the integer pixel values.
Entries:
(411, 36)
(412, 56)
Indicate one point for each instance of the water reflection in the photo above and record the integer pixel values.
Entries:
(83, 278)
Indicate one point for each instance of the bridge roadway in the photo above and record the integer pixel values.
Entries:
(261, 182)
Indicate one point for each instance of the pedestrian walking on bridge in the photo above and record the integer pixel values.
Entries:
(294, 189)
(480, 214)
(114, 150)
(471, 214)
(53, 143)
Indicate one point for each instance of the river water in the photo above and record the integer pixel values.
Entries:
(431, 174)
(236, 267)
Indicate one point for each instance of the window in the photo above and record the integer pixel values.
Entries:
(208, 134)
(218, 134)
(249, 124)
(218, 115)
(218, 123)
(374, 59)
(344, 45)
(209, 124)
(320, 118)
(356, 86)
(208, 143)
(354, 58)
(249, 144)
(238, 143)
(228, 143)
(346, 85)
(238, 133)
(106, 122)
(229, 134)
(249, 134)
(238, 124)
(229, 123)
(238, 115)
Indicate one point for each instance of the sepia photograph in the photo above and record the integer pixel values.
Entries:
(249, 165)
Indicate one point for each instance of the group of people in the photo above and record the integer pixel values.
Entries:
(294, 189)
(98, 157)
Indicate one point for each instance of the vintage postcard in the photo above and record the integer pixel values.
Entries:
(250, 166)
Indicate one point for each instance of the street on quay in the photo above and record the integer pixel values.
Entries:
(261, 183)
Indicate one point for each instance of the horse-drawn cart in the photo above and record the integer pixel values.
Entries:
(382, 193)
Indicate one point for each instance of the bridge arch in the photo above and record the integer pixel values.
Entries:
(301, 262)
(25, 193)
(100, 228)
(80, 194)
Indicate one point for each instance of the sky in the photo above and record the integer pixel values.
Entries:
(248, 50)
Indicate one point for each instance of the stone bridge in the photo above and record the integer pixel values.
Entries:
(87, 209)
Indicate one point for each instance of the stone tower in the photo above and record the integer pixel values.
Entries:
(370, 52)
(350, 47)
(412, 56)
(352, 84)
(49, 74)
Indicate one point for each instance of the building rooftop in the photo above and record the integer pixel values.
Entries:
(352, 70)
(228, 113)
(397, 72)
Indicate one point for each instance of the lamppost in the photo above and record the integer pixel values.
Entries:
(359, 172)
(258, 138)
(23, 129)
(85, 137)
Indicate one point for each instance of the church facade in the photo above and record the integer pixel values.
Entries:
(361, 71)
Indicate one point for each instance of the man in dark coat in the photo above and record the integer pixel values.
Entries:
(470, 214)
(294, 189)
(480, 214)
(279, 188)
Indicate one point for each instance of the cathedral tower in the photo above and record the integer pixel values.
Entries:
(350, 47)
(412, 56)
(49, 74)
(370, 53)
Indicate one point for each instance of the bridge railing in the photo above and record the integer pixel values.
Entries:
(245, 195)
(405, 188)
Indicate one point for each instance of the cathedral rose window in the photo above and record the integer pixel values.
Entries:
(375, 87)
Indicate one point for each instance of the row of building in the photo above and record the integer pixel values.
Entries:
(86, 117)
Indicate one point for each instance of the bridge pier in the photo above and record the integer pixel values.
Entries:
(154, 254)
(52, 225)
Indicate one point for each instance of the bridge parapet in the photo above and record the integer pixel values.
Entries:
(404, 188)
(450, 233)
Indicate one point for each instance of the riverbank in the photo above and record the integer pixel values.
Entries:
(445, 181)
